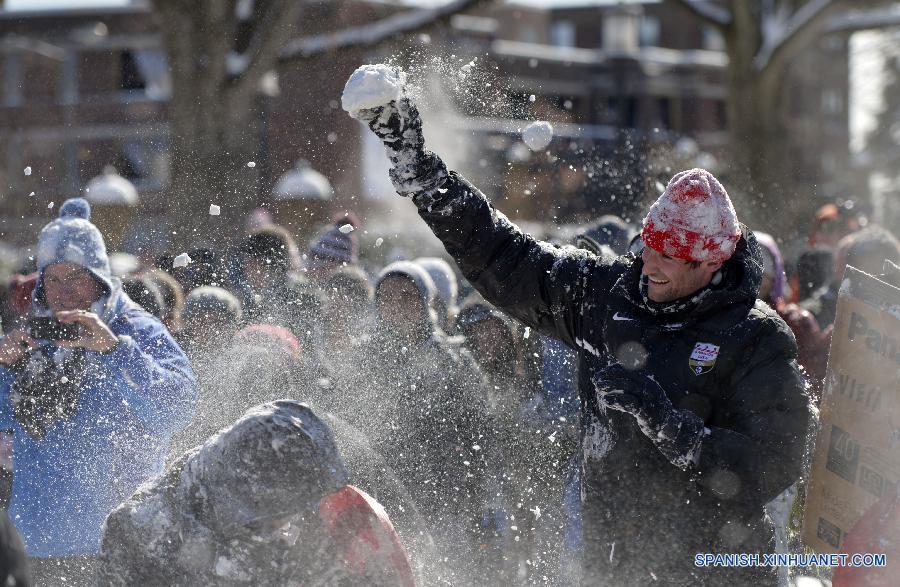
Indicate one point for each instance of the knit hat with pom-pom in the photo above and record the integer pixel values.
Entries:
(73, 239)
(693, 219)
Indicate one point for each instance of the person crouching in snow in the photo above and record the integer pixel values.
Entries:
(694, 410)
(91, 413)
(263, 502)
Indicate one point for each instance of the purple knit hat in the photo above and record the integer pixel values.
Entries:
(337, 243)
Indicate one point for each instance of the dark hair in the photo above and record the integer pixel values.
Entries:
(870, 247)
(815, 268)
(144, 292)
(271, 244)
(609, 230)
(205, 268)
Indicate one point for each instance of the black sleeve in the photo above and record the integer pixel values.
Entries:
(758, 452)
(540, 284)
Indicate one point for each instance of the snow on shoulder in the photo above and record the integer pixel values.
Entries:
(371, 86)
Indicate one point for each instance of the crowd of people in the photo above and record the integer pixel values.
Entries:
(435, 397)
(462, 420)
(491, 433)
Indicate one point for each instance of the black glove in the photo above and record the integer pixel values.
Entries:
(415, 170)
(676, 433)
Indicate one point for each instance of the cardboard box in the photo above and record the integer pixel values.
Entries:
(857, 454)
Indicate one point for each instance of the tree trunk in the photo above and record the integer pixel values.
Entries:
(761, 164)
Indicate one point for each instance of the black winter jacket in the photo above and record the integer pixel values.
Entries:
(644, 518)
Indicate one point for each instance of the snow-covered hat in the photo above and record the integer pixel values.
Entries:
(693, 219)
(73, 239)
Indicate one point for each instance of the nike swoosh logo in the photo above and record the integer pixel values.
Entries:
(617, 317)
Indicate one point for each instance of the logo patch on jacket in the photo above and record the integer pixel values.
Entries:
(703, 358)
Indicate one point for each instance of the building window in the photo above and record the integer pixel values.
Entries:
(12, 80)
(650, 28)
(145, 71)
(713, 39)
(721, 114)
(631, 112)
(623, 111)
(562, 33)
(130, 73)
(132, 79)
(528, 34)
(620, 32)
(832, 102)
(665, 113)
(41, 78)
(144, 162)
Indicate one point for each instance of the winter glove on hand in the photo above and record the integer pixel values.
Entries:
(415, 171)
(676, 433)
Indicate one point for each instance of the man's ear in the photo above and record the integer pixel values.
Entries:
(712, 266)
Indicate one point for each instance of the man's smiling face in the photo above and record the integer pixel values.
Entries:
(669, 279)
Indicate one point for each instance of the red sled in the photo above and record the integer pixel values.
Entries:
(365, 537)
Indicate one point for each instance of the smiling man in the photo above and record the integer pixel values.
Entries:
(693, 409)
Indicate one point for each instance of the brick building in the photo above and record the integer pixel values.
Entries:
(82, 89)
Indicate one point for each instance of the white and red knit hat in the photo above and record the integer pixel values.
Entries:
(693, 219)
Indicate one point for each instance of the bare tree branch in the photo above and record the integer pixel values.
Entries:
(376, 32)
(270, 32)
(867, 19)
(717, 16)
(800, 30)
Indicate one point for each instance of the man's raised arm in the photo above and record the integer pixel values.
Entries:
(542, 285)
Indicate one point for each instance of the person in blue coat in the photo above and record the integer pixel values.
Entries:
(90, 418)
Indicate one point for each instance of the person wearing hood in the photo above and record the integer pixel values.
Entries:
(426, 416)
(446, 289)
(172, 298)
(694, 411)
(265, 501)
(90, 415)
(210, 317)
